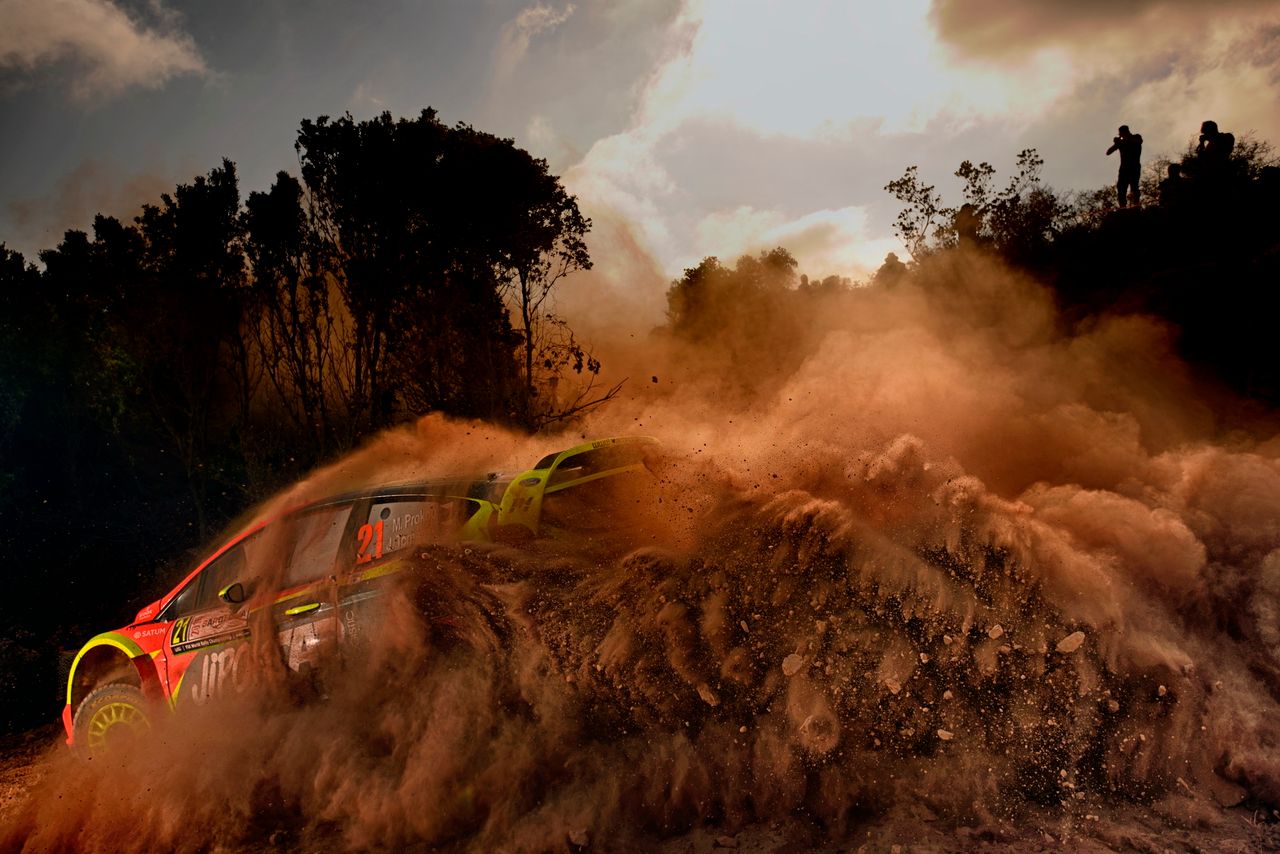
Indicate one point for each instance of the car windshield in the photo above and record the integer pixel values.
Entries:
(595, 461)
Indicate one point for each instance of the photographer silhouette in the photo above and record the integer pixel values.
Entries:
(1130, 147)
(1214, 149)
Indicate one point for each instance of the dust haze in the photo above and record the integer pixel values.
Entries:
(919, 552)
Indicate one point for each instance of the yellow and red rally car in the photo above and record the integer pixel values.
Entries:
(189, 646)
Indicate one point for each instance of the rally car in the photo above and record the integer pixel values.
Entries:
(190, 645)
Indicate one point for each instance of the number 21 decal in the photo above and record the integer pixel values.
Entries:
(369, 535)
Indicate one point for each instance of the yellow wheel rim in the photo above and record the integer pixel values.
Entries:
(113, 715)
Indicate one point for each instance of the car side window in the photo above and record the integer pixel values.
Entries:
(317, 538)
(184, 602)
(202, 591)
(223, 571)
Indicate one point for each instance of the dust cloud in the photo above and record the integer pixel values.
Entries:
(931, 554)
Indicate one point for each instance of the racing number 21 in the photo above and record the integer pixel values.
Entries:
(369, 536)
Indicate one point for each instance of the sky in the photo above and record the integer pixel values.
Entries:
(686, 128)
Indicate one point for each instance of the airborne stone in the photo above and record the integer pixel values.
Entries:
(1071, 642)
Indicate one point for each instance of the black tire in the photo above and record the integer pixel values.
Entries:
(111, 714)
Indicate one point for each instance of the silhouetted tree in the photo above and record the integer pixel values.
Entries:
(432, 233)
(150, 313)
(1020, 220)
(744, 324)
(711, 299)
(184, 332)
(922, 224)
(24, 364)
(368, 197)
(540, 239)
(292, 319)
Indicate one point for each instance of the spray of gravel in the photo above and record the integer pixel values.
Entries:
(935, 558)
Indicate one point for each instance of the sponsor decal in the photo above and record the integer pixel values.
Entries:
(391, 531)
(180, 632)
(218, 671)
(370, 537)
(138, 634)
(209, 629)
(301, 644)
(402, 527)
(213, 672)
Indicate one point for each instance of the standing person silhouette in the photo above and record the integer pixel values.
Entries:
(1130, 147)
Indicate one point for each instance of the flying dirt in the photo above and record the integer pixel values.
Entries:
(934, 558)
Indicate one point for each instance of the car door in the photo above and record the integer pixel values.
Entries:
(389, 529)
(206, 654)
(306, 612)
(204, 649)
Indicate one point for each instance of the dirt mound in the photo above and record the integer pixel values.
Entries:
(876, 631)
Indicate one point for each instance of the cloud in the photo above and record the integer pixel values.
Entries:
(740, 83)
(1005, 28)
(621, 174)
(108, 50)
(518, 33)
(810, 69)
(1231, 86)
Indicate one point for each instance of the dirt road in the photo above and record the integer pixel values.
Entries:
(1182, 823)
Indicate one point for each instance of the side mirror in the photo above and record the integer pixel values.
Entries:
(233, 593)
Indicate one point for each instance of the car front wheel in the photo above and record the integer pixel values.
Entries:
(111, 714)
